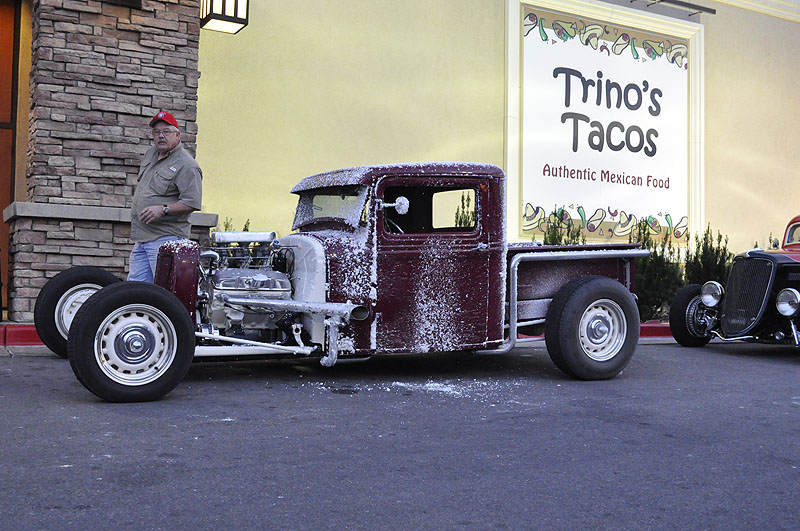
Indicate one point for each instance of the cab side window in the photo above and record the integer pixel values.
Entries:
(431, 209)
(793, 234)
(454, 210)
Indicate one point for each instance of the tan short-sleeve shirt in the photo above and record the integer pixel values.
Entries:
(176, 177)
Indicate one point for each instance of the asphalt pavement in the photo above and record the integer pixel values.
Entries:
(683, 439)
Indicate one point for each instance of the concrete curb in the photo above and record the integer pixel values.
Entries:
(24, 334)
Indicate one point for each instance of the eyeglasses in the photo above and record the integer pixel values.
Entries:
(165, 134)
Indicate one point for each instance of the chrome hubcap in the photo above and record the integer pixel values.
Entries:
(69, 304)
(598, 329)
(602, 330)
(135, 344)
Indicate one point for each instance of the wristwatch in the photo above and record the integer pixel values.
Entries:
(165, 210)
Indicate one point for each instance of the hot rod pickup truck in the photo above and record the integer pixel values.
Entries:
(407, 258)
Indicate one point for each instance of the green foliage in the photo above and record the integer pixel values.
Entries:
(661, 275)
(465, 214)
(561, 230)
(227, 226)
(709, 260)
(658, 276)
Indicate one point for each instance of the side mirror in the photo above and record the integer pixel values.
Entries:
(400, 205)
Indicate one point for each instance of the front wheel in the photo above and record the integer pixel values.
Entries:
(131, 342)
(61, 298)
(685, 314)
(592, 328)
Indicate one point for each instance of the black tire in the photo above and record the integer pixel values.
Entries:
(592, 328)
(131, 342)
(60, 299)
(682, 318)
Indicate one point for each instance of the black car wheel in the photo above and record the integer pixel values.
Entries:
(592, 328)
(684, 318)
(61, 298)
(131, 342)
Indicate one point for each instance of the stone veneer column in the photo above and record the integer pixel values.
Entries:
(99, 72)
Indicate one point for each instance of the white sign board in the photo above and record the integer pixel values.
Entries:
(604, 129)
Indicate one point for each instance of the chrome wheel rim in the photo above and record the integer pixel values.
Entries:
(602, 330)
(135, 344)
(694, 323)
(69, 304)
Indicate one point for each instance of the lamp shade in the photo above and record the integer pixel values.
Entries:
(228, 16)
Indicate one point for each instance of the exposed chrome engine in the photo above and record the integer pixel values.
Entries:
(255, 284)
(240, 267)
(246, 296)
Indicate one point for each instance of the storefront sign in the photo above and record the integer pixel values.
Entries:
(605, 128)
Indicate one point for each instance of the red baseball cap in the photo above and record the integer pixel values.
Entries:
(164, 116)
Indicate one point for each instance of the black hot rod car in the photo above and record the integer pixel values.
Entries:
(760, 301)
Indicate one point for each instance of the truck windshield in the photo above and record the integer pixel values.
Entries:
(343, 204)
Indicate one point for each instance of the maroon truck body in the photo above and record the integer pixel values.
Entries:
(442, 289)
(406, 258)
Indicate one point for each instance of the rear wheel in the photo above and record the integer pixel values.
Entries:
(592, 328)
(61, 298)
(131, 342)
(685, 314)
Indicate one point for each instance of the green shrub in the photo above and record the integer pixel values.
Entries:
(709, 260)
(658, 276)
(560, 232)
(465, 214)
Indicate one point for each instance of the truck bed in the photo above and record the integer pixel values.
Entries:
(539, 281)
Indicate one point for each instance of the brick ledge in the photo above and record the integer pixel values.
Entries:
(24, 209)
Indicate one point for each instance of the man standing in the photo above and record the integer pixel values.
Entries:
(169, 188)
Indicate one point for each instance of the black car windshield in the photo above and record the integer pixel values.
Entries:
(342, 204)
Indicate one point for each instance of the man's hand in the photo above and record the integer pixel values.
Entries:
(151, 213)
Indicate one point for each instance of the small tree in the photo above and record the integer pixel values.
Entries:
(709, 260)
(561, 231)
(658, 276)
(465, 214)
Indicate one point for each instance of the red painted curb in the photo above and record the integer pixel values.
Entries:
(655, 329)
(20, 335)
(648, 329)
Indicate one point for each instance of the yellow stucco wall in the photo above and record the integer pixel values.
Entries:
(311, 86)
(752, 140)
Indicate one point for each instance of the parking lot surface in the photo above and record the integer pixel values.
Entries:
(684, 438)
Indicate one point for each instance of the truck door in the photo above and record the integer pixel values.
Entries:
(432, 265)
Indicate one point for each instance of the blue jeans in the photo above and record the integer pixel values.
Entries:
(144, 257)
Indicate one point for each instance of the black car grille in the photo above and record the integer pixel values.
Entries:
(745, 295)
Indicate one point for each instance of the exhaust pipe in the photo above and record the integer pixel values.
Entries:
(347, 311)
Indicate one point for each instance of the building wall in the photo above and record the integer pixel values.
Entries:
(752, 107)
(312, 86)
(316, 85)
(98, 73)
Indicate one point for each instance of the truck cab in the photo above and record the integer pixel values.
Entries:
(421, 245)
